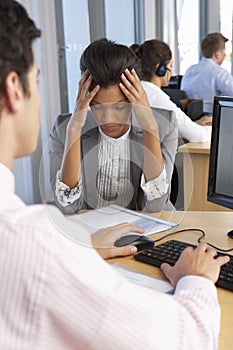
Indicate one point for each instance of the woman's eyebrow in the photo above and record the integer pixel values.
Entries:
(112, 102)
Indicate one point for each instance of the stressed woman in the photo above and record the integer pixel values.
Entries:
(113, 148)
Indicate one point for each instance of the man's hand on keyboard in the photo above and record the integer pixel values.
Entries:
(201, 261)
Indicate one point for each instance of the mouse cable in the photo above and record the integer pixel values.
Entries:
(199, 239)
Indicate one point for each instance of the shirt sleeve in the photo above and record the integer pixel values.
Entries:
(84, 292)
(224, 83)
(155, 188)
(187, 128)
(66, 195)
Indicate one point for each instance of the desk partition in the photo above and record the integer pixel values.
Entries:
(196, 171)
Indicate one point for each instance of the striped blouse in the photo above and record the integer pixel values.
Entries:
(113, 180)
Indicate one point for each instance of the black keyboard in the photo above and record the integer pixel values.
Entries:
(170, 251)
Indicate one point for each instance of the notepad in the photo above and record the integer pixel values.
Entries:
(113, 215)
(145, 281)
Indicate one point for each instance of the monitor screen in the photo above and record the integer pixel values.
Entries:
(220, 182)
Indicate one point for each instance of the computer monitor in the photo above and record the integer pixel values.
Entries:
(220, 181)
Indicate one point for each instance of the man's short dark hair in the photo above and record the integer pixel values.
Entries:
(106, 60)
(17, 32)
(212, 43)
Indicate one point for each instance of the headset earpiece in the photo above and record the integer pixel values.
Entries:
(161, 70)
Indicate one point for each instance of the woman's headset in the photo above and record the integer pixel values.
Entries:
(161, 70)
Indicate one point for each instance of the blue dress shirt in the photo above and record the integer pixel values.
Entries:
(206, 80)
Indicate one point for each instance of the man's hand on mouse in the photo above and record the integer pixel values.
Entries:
(104, 239)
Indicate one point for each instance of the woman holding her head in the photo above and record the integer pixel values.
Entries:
(156, 62)
(113, 148)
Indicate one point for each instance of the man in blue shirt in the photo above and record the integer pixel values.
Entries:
(207, 78)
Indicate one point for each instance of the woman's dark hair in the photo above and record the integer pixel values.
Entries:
(151, 54)
(106, 61)
(17, 32)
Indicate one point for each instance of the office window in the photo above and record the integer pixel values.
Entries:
(177, 23)
(119, 26)
(226, 10)
(188, 33)
(119, 16)
(77, 37)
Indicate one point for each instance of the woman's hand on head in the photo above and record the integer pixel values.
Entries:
(132, 88)
(83, 100)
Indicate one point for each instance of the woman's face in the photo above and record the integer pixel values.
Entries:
(112, 111)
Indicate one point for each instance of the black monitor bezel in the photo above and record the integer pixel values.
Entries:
(213, 195)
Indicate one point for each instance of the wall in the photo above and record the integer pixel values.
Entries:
(27, 170)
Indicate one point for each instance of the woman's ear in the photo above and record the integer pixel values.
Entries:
(13, 92)
(156, 66)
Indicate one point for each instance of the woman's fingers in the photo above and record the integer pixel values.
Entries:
(82, 82)
(130, 82)
(132, 88)
(85, 96)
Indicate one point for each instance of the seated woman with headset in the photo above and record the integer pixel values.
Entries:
(155, 58)
(113, 148)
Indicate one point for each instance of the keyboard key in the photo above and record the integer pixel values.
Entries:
(170, 251)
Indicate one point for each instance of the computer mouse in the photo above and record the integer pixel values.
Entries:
(230, 234)
(140, 242)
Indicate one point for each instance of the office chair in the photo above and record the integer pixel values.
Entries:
(176, 95)
(192, 107)
(175, 81)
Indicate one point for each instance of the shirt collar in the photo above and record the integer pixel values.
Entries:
(205, 59)
(119, 139)
(149, 86)
(7, 180)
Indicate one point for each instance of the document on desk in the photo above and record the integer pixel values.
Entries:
(113, 215)
(146, 281)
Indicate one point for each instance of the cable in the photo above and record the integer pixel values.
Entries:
(215, 247)
(199, 239)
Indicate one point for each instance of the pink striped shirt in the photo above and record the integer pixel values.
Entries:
(57, 294)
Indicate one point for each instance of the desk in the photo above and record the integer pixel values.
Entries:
(215, 225)
(196, 172)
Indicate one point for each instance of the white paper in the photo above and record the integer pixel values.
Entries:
(146, 281)
(114, 215)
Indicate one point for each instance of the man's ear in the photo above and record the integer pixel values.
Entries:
(216, 55)
(13, 92)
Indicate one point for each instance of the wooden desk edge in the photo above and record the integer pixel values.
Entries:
(195, 147)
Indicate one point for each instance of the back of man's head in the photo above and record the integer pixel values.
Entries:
(17, 32)
(211, 43)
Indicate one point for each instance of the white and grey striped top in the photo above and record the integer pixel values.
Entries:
(113, 180)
